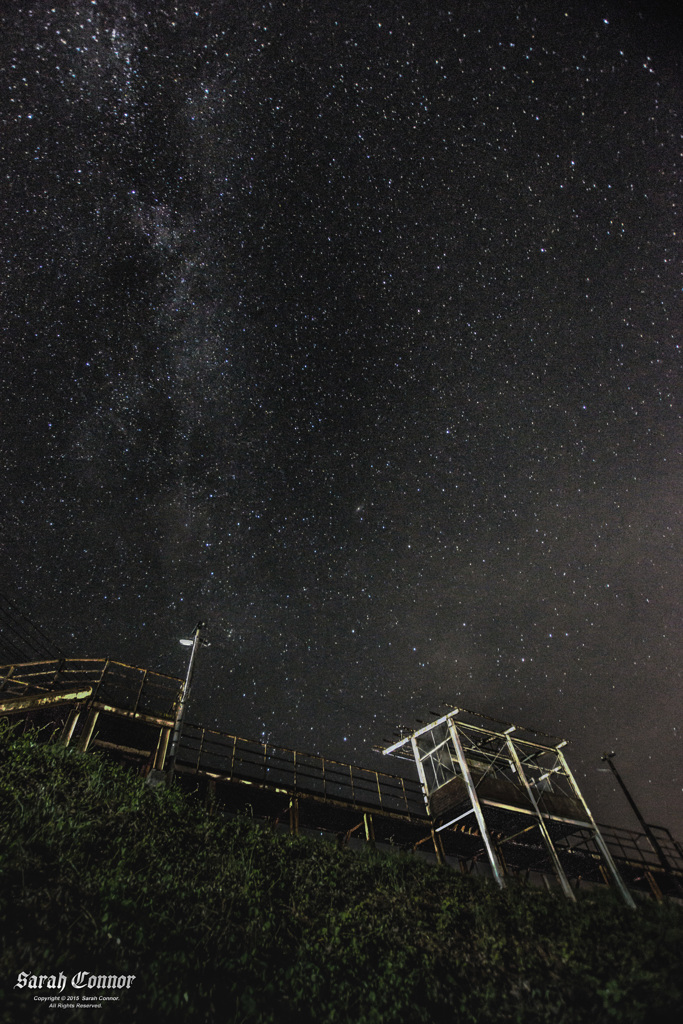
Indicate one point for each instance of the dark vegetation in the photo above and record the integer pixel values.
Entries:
(227, 920)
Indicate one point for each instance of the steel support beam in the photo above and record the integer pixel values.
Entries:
(597, 836)
(438, 847)
(652, 839)
(369, 828)
(88, 730)
(420, 771)
(496, 866)
(294, 816)
(69, 726)
(162, 747)
(557, 866)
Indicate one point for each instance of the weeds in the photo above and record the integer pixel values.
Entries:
(230, 921)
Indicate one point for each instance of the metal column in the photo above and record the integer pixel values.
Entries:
(652, 839)
(86, 735)
(182, 703)
(420, 770)
(600, 842)
(369, 828)
(496, 867)
(294, 816)
(162, 747)
(69, 726)
(559, 870)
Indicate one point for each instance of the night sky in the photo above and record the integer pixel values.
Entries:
(354, 329)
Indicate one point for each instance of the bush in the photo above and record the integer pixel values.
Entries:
(228, 920)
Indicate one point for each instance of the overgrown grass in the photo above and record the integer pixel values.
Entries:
(230, 921)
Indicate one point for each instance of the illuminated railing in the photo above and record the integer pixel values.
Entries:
(232, 757)
(634, 848)
(129, 712)
(127, 688)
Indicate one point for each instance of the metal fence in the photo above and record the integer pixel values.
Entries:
(232, 757)
(634, 848)
(124, 687)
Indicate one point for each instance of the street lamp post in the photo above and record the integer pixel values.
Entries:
(645, 827)
(182, 703)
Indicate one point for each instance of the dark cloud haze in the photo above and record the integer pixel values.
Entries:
(354, 329)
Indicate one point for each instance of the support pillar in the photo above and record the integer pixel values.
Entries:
(369, 828)
(69, 726)
(438, 848)
(88, 730)
(496, 866)
(599, 841)
(162, 747)
(656, 891)
(294, 816)
(559, 870)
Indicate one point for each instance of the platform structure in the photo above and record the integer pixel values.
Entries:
(129, 714)
(128, 710)
(513, 786)
(516, 807)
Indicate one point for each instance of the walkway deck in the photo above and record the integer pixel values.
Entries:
(128, 712)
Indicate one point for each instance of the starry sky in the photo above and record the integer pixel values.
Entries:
(355, 330)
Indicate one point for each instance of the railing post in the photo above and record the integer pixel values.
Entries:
(656, 891)
(405, 796)
(210, 797)
(234, 754)
(200, 749)
(140, 689)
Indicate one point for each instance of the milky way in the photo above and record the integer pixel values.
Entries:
(355, 330)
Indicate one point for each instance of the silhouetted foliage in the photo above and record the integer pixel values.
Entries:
(228, 920)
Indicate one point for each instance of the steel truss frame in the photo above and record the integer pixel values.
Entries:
(516, 788)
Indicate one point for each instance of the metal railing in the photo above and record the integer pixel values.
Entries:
(632, 847)
(125, 687)
(261, 763)
(120, 692)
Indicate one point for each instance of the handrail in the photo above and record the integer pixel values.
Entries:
(211, 750)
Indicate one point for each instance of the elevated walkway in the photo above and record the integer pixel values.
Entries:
(128, 713)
